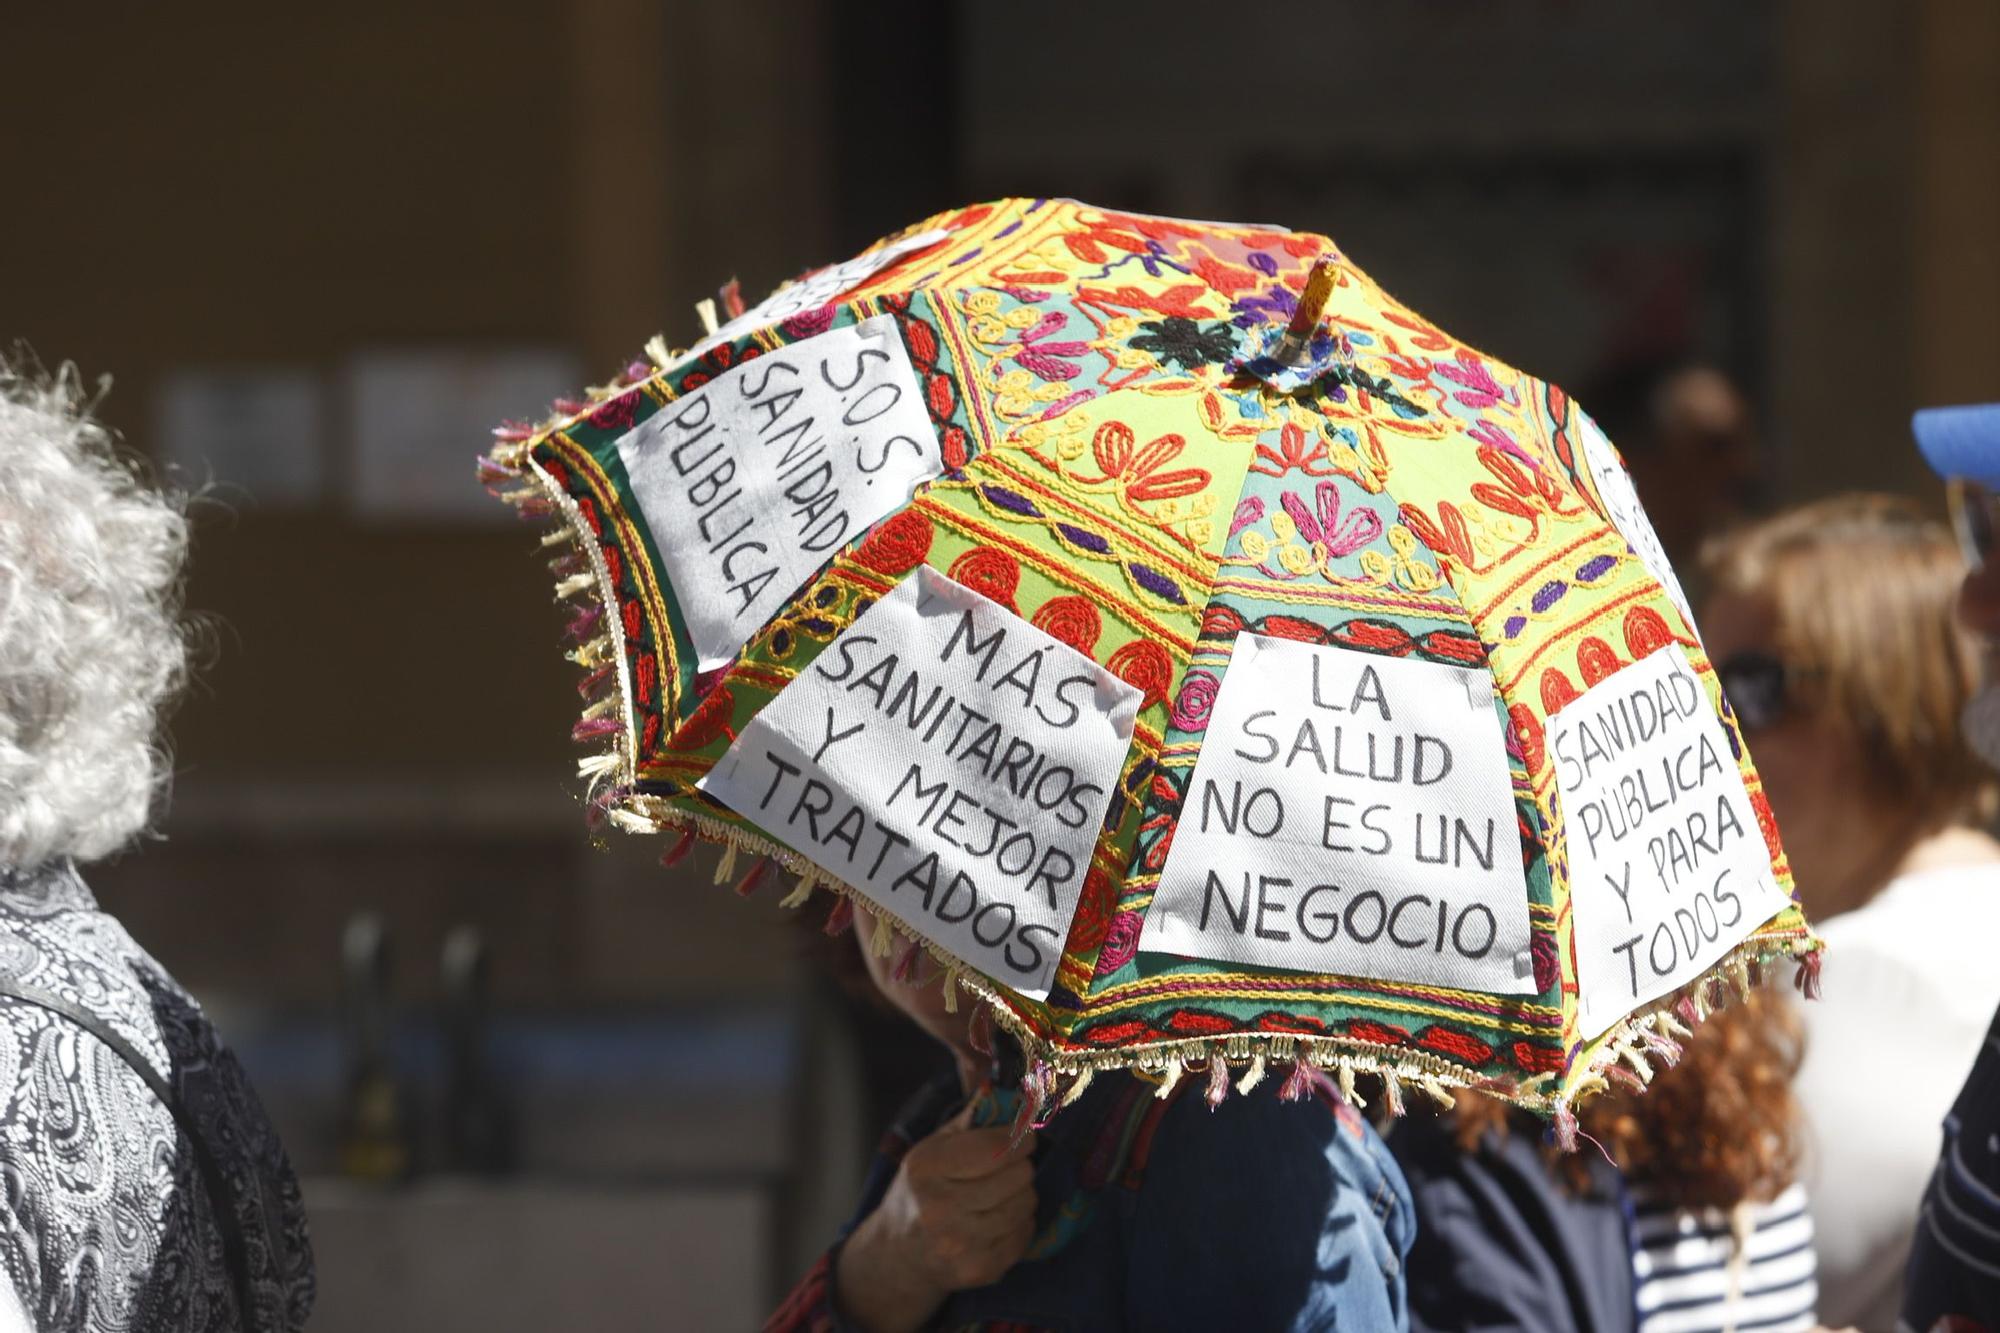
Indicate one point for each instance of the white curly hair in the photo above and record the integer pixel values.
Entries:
(92, 640)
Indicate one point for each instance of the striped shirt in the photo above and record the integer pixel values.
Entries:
(1692, 1276)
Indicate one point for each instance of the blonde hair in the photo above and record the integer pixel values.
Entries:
(92, 642)
(1863, 588)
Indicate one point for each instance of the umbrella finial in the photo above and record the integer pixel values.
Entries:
(1312, 306)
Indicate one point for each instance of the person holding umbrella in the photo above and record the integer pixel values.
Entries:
(1128, 1210)
(1154, 631)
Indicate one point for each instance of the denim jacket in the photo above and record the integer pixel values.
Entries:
(1162, 1214)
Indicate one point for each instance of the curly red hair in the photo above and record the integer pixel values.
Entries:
(1719, 1128)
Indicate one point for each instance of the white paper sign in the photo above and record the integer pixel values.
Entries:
(950, 761)
(1350, 813)
(1668, 869)
(813, 291)
(1614, 486)
(754, 480)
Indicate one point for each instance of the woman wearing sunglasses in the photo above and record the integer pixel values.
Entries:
(1833, 634)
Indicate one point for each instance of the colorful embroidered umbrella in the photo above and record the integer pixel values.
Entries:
(1209, 661)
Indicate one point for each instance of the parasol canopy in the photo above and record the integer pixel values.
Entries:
(1212, 663)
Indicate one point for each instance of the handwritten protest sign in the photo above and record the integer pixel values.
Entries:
(814, 290)
(1621, 502)
(950, 761)
(1668, 870)
(750, 483)
(1350, 813)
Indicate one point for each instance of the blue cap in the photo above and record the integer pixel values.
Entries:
(1961, 441)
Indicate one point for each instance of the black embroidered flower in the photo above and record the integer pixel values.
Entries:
(1185, 343)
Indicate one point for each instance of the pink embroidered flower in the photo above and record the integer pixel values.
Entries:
(1195, 702)
(1542, 951)
(616, 413)
(1049, 360)
(809, 323)
(1363, 525)
(1121, 942)
(1248, 510)
(1477, 388)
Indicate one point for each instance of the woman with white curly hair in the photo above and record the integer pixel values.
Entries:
(141, 1186)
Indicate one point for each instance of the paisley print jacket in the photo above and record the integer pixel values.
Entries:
(106, 1219)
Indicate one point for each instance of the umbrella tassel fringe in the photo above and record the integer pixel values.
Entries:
(748, 884)
(1078, 1085)
(1298, 1083)
(979, 1032)
(1563, 1127)
(801, 894)
(904, 972)
(951, 990)
(1253, 1076)
(1218, 1080)
(1806, 978)
(1392, 1092)
(679, 851)
(593, 767)
(725, 867)
(840, 919)
(883, 942)
(1170, 1075)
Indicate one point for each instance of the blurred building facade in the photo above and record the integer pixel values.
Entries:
(246, 208)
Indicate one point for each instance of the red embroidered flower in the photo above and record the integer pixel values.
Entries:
(1093, 912)
(1275, 1022)
(1596, 659)
(1528, 735)
(1138, 468)
(1556, 691)
(1193, 1020)
(1293, 627)
(1074, 620)
(1229, 279)
(1645, 631)
(1220, 621)
(921, 340)
(993, 573)
(1767, 823)
(1116, 1033)
(1088, 244)
(1459, 1045)
(1145, 666)
(1537, 1059)
(897, 545)
(709, 722)
(1382, 1034)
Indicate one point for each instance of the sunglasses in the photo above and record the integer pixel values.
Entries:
(1756, 685)
(1973, 519)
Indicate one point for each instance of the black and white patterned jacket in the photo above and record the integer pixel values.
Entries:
(106, 1219)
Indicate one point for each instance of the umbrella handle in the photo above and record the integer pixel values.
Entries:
(995, 1106)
